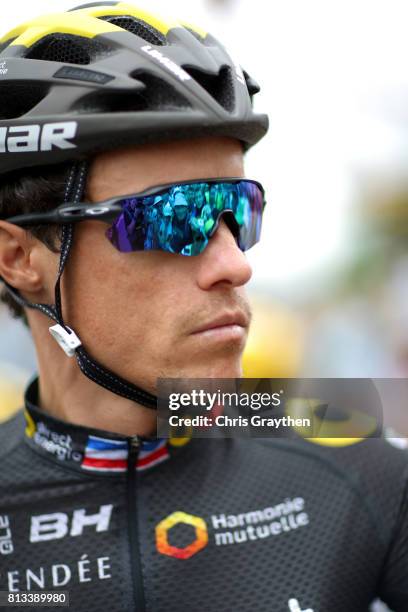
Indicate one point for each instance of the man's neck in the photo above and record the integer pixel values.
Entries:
(82, 402)
(65, 393)
(95, 409)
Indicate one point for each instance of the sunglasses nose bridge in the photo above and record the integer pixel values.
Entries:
(230, 221)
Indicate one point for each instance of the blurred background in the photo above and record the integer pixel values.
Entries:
(330, 283)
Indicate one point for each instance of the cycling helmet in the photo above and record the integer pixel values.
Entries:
(110, 74)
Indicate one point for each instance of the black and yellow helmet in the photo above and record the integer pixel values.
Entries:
(110, 74)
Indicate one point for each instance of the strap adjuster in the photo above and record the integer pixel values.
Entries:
(67, 340)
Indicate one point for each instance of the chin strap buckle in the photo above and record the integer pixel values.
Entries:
(67, 340)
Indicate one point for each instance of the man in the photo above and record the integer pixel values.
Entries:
(128, 106)
(181, 222)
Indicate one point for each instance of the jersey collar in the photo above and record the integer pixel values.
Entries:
(86, 449)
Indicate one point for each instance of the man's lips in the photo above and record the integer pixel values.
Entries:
(238, 319)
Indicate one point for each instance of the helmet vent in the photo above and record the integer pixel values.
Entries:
(110, 102)
(139, 28)
(219, 86)
(160, 95)
(17, 100)
(67, 49)
(157, 95)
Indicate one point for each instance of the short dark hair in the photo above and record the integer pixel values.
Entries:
(36, 190)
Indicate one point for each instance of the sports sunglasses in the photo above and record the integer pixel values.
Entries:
(177, 218)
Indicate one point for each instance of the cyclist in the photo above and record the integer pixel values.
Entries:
(101, 109)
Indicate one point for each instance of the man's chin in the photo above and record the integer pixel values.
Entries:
(215, 369)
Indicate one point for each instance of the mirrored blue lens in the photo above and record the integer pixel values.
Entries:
(182, 218)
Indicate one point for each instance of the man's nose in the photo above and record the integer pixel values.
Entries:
(222, 261)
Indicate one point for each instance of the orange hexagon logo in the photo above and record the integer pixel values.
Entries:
(162, 530)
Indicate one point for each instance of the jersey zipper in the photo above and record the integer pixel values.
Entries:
(135, 559)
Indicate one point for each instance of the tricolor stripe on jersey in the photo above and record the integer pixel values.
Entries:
(152, 453)
(103, 454)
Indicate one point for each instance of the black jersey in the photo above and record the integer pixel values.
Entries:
(202, 525)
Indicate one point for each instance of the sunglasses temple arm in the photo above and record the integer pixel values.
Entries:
(69, 213)
(37, 219)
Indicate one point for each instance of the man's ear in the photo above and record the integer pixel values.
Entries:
(19, 265)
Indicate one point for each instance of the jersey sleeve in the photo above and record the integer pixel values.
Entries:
(394, 583)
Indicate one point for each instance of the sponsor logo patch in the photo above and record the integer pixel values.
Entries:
(232, 529)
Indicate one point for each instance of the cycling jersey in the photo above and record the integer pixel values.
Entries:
(226, 525)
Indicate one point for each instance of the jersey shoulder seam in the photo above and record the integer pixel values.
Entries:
(352, 482)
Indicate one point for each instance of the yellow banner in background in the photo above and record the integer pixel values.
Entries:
(11, 398)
